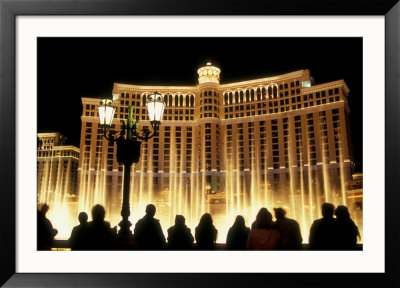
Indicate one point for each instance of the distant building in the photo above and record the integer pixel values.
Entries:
(57, 166)
(227, 148)
(354, 190)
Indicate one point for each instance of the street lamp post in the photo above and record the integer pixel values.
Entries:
(129, 143)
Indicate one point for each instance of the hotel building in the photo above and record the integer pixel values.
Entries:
(226, 148)
(57, 167)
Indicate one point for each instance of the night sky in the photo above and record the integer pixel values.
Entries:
(71, 68)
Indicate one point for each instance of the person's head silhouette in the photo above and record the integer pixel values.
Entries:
(98, 213)
(179, 220)
(44, 209)
(264, 219)
(239, 221)
(279, 213)
(206, 220)
(83, 217)
(342, 212)
(327, 210)
(151, 210)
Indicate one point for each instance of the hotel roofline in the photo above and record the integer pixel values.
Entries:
(280, 77)
(326, 85)
(227, 85)
(247, 84)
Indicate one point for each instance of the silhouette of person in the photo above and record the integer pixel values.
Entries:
(264, 236)
(79, 236)
(148, 233)
(289, 229)
(45, 230)
(237, 235)
(100, 235)
(323, 231)
(179, 235)
(206, 233)
(347, 229)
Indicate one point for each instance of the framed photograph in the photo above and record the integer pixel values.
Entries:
(283, 72)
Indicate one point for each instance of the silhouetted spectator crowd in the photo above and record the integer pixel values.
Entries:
(334, 231)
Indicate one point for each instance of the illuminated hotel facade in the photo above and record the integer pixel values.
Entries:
(57, 168)
(226, 149)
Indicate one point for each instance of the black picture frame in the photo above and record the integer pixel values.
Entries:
(8, 12)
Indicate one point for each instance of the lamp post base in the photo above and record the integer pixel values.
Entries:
(125, 224)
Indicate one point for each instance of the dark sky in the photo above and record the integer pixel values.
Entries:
(71, 68)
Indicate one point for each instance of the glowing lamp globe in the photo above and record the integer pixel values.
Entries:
(155, 108)
(106, 113)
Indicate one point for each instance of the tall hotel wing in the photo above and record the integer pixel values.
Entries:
(226, 149)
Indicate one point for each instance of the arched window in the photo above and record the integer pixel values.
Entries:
(144, 100)
(270, 92)
(209, 93)
(263, 92)
(258, 94)
(230, 98)
(170, 100)
(166, 100)
(127, 95)
(187, 100)
(275, 90)
(192, 100)
(236, 97)
(122, 95)
(241, 96)
(247, 96)
(252, 95)
(181, 101)
(226, 98)
(176, 100)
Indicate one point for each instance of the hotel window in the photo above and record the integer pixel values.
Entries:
(275, 91)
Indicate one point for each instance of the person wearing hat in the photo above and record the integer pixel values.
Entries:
(290, 231)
